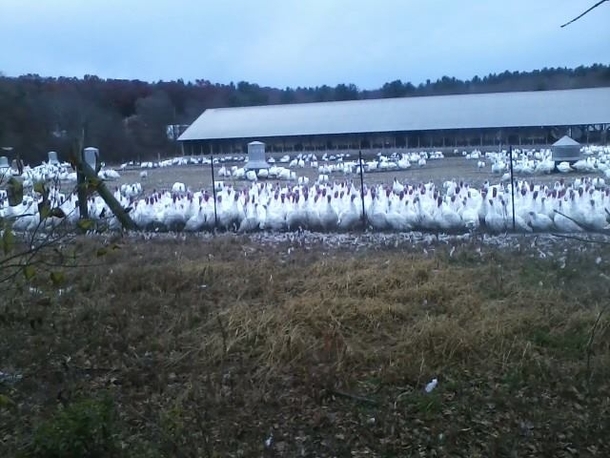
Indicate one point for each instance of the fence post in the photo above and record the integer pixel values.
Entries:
(362, 187)
(90, 175)
(512, 184)
(213, 186)
(81, 186)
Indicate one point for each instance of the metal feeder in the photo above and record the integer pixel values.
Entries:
(566, 150)
(52, 158)
(256, 156)
(91, 156)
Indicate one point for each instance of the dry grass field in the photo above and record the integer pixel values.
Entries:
(226, 346)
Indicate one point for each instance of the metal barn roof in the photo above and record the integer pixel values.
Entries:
(464, 111)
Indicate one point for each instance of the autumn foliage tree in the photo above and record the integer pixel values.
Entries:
(127, 119)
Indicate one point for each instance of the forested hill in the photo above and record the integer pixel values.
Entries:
(128, 118)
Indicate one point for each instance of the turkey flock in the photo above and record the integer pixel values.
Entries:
(281, 201)
(540, 161)
(456, 207)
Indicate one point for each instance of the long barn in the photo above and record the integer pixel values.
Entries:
(463, 120)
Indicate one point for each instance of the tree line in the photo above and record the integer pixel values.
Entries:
(128, 119)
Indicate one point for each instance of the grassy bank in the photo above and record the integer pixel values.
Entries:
(192, 348)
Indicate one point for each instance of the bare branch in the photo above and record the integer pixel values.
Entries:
(582, 14)
(354, 397)
(582, 226)
(590, 343)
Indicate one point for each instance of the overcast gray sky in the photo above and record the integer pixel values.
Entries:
(297, 43)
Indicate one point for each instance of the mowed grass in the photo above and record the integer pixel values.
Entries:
(211, 348)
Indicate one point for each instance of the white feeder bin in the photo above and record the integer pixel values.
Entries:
(4, 162)
(91, 156)
(566, 150)
(256, 156)
(52, 155)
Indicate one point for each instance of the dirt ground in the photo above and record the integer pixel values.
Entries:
(437, 171)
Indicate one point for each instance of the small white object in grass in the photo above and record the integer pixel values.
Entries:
(269, 440)
(143, 174)
(61, 291)
(598, 260)
(10, 378)
(430, 386)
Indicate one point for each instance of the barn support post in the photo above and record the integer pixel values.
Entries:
(213, 186)
(587, 134)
